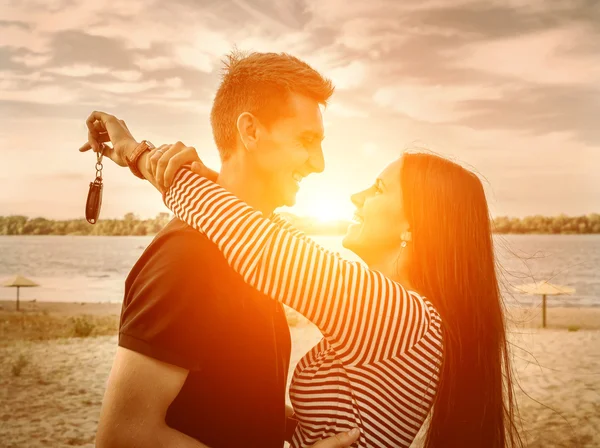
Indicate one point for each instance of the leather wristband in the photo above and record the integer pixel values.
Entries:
(132, 162)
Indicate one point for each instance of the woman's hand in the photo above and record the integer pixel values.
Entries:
(341, 440)
(164, 162)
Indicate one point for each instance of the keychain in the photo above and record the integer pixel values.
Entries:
(94, 199)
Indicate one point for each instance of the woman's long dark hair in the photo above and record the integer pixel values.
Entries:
(453, 265)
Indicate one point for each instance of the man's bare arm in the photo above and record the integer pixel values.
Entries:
(140, 389)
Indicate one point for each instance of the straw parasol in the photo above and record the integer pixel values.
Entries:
(544, 289)
(19, 282)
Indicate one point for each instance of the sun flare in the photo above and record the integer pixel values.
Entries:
(327, 210)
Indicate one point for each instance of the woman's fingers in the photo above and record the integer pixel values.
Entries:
(165, 160)
(155, 155)
(149, 163)
(185, 157)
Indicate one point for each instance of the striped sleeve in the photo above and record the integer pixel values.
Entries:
(364, 315)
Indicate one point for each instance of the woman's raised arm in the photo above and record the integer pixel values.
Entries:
(364, 315)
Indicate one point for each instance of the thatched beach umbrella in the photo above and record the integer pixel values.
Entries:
(544, 289)
(19, 282)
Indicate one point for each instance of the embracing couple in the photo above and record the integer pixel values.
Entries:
(415, 335)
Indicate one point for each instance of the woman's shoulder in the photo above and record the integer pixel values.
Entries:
(432, 315)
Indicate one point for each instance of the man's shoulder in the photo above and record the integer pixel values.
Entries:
(181, 243)
(177, 232)
(177, 251)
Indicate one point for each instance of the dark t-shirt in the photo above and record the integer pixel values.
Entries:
(185, 306)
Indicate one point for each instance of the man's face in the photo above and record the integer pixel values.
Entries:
(290, 149)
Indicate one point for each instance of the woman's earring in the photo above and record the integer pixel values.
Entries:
(405, 237)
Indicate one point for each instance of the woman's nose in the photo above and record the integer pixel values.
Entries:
(358, 199)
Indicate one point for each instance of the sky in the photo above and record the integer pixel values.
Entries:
(509, 89)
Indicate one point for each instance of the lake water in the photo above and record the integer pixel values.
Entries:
(93, 269)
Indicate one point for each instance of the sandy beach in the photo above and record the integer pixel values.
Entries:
(52, 382)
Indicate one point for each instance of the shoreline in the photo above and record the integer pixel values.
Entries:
(571, 318)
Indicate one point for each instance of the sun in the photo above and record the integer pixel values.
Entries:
(326, 210)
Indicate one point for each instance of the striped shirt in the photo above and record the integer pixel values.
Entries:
(376, 367)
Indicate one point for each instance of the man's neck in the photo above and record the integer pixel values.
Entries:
(239, 180)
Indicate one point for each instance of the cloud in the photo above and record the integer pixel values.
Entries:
(16, 23)
(120, 88)
(429, 103)
(468, 62)
(192, 56)
(540, 110)
(79, 47)
(349, 76)
(43, 95)
(153, 63)
(543, 57)
(343, 110)
(78, 70)
(471, 77)
(19, 35)
(31, 59)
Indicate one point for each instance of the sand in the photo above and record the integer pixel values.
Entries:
(54, 398)
(65, 309)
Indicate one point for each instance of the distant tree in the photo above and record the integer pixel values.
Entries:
(14, 225)
(140, 229)
(38, 226)
(132, 225)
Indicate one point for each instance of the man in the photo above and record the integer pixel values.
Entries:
(201, 360)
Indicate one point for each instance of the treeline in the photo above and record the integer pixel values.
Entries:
(128, 226)
(132, 225)
(561, 224)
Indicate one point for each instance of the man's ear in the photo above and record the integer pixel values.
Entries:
(247, 126)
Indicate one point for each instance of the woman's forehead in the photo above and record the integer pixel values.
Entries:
(391, 173)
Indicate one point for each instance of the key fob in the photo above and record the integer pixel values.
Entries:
(94, 201)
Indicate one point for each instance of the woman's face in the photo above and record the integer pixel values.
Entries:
(379, 220)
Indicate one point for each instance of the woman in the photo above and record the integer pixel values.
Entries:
(421, 330)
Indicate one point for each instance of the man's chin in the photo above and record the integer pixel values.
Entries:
(281, 198)
(288, 199)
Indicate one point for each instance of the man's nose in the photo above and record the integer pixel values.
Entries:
(317, 161)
